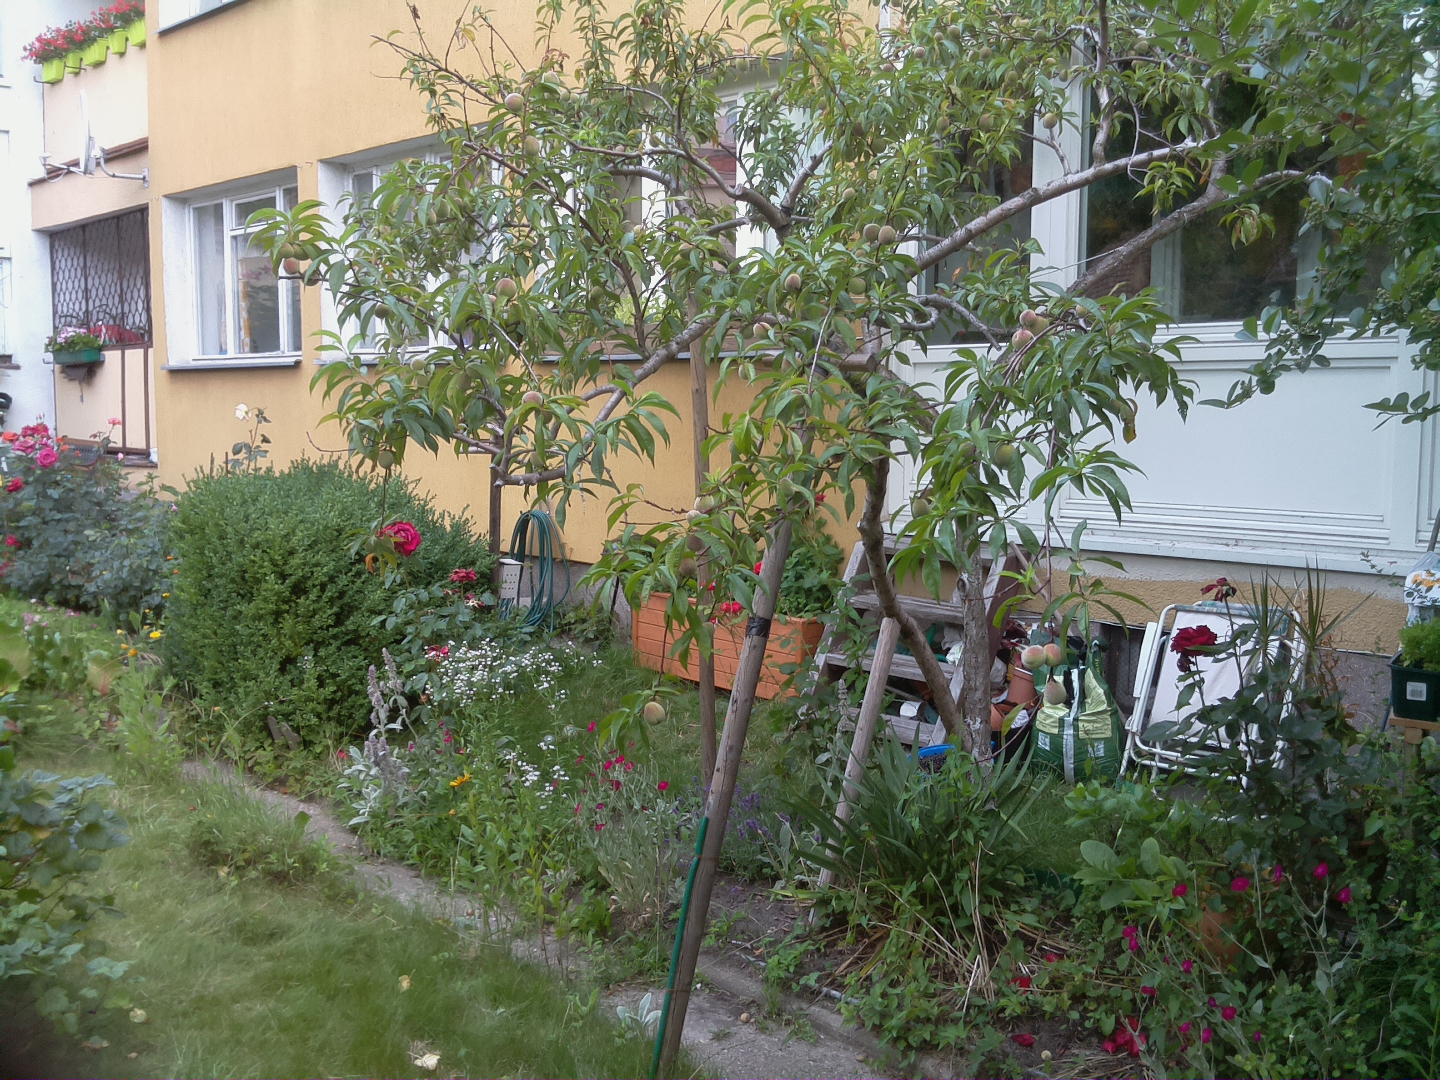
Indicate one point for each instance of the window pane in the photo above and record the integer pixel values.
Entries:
(243, 210)
(291, 196)
(257, 299)
(210, 279)
(292, 328)
(1200, 273)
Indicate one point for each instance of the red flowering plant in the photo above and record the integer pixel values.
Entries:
(55, 42)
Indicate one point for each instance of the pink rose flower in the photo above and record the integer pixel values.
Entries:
(46, 458)
(405, 536)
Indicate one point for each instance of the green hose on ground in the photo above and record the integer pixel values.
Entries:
(543, 601)
(675, 953)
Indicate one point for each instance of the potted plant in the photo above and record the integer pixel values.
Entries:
(807, 591)
(1415, 673)
(96, 51)
(76, 351)
(136, 32)
(52, 70)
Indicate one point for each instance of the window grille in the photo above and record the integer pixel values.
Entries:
(100, 277)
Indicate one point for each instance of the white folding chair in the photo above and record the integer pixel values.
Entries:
(1158, 680)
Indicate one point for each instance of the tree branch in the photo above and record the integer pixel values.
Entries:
(1036, 195)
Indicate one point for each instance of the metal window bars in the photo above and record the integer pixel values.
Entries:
(100, 278)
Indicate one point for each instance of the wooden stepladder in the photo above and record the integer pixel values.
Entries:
(832, 663)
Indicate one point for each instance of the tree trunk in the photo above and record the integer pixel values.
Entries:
(872, 536)
(722, 784)
(700, 425)
(497, 494)
(976, 662)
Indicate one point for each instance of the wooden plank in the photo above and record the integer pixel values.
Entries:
(865, 726)
(905, 667)
(923, 608)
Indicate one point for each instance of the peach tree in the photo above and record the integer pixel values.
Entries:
(809, 202)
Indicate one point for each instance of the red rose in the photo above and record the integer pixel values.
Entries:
(15, 485)
(405, 536)
(1191, 641)
(12, 540)
(462, 577)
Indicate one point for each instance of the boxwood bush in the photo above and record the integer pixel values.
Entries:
(271, 615)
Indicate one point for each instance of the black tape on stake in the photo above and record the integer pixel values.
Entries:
(757, 627)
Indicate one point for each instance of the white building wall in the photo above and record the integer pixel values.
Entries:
(24, 254)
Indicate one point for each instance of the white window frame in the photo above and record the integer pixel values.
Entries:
(174, 12)
(179, 281)
(234, 230)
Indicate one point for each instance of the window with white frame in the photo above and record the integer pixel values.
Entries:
(241, 307)
(174, 11)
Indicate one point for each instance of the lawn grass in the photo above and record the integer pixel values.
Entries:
(246, 977)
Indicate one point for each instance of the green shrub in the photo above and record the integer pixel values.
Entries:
(1420, 645)
(75, 535)
(271, 612)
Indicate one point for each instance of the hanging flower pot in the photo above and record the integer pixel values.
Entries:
(119, 41)
(73, 59)
(95, 53)
(136, 33)
(52, 71)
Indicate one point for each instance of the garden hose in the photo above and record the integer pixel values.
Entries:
(675, 953)
(543, 600)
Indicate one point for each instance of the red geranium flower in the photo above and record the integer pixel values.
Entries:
(404, 534)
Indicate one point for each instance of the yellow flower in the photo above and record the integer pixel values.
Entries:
(460, 780)
(120, 632)
(164, 596)
(155, 634)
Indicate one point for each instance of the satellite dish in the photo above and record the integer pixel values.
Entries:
(86, 157)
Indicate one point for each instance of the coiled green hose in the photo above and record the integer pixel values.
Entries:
(543, 601)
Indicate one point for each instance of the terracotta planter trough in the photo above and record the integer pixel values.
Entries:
(792, 642)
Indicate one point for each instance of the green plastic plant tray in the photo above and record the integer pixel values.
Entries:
(1414, 692)
(83, 356)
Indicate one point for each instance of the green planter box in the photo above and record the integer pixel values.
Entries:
(136, 32)
(1414, 692)
(52, 71)
(96, 53)
(73, 60)
(119, 41)
(83, 356)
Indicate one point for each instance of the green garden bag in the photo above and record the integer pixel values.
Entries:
(1081, 738)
